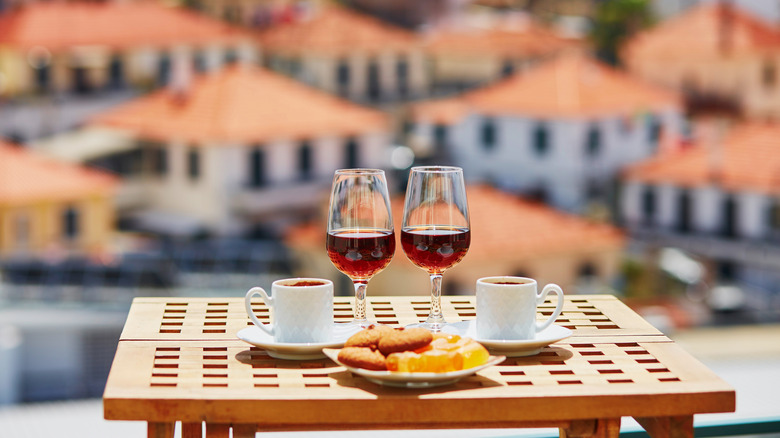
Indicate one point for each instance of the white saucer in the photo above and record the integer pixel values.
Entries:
(412, 380)
(298, 351)
(510, 348)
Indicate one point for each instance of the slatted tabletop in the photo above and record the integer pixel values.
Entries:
(179, 360)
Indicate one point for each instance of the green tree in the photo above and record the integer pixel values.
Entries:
(615, 21)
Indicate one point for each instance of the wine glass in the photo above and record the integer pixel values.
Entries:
(361, 240)
(435, 233)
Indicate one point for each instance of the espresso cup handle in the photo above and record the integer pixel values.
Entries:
(248, 303)
(540, 299)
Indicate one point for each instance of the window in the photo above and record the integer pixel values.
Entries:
(508, 68)
(768, 74)
(160, 160)
(351, 153)
(199, 61)
(193, 164)
(488, 134)
(257, 177)
(541, 140)
(440, 137)
(773, 217)
(70, 223)
(374, 85)
(116, 74)
(231, 56)
(648, 206)
(653, 129)
(729, 217)
(21, 231)
(43, 76)
(684, 211)
(163, 69)
(587, 270)
(402, 75)
(343, 77)
(304, 161)
(593, 142)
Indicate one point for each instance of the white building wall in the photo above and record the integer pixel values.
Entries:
(565, 169)
(631, 203)
(752, 210)
(707, 208)
(666, 197)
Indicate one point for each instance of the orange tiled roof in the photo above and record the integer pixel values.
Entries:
(503, 225)
(704, 30)
(526, 38)
(61, 25)
(571, 85)
(246, 105)
(748, 160)
(336, 30)
(28, 177)
(440, 111)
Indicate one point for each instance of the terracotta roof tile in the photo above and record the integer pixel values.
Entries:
(525, 38)
(572, 85)
(748, 160)
(246, 105)
(339, 31)
(28, 177)
(503, 226)
(60, 25)
(704, 30)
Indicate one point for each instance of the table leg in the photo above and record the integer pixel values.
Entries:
(217, 430)
(192, 430)
(671, 427)
(601, 428)
(244, 430)
(159, 430)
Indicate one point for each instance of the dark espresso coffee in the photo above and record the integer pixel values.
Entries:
(510, 282)
(306, 283)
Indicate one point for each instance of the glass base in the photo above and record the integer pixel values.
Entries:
(432, 326)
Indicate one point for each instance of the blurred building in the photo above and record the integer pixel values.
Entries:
(510, 236)
(720, 56)
(558, 133)
(51, 208)
(235, 149)
(412, 14)
(718, 201)
(348, 54)
(476, 51)
(84, 47)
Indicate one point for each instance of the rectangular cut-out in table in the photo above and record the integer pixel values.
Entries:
(583, 384)
(222, 318)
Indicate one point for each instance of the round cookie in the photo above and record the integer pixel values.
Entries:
(404, 340)
(369, 337)
(362, 357)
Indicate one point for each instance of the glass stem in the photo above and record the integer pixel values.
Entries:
(435, 318)
(360, 302)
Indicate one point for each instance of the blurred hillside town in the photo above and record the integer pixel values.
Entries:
(185, 148)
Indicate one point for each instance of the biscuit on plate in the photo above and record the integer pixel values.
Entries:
(362, 357)
(368, 337)
(404, 340)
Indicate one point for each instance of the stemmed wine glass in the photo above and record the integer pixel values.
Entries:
(361, 240)
(435, 233)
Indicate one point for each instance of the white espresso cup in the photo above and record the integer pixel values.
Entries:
(506, 308)
(302, 310)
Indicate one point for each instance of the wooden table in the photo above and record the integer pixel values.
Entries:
(178, 359)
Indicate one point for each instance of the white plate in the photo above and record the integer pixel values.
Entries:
(412, 380)
(298, 351)
(510, 348)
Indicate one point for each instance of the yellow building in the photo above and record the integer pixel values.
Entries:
(84, 47)
(52, 208)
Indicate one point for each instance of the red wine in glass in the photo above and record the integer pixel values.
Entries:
(360, 253)
(435, 248)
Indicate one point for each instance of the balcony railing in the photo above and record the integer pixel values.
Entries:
(275, 197)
